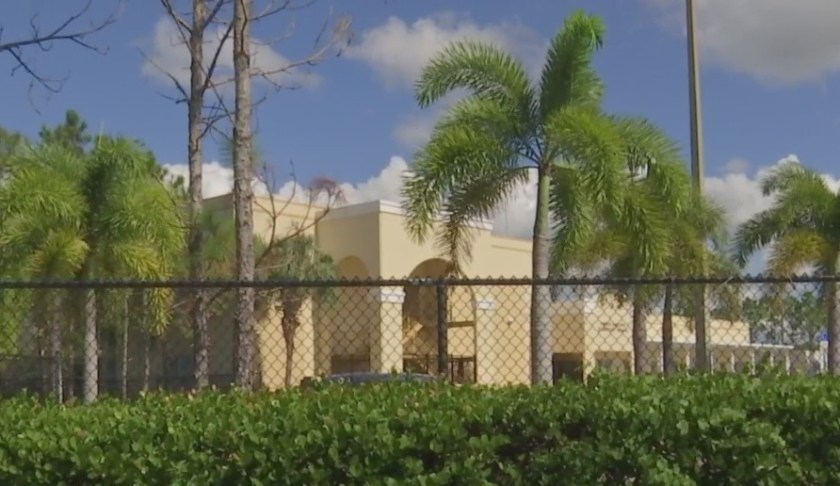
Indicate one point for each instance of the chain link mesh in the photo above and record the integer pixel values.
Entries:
(78, 340)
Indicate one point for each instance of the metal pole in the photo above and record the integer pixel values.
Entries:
(697, 173)
(443, 329)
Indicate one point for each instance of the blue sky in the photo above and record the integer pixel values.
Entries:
(770, 84)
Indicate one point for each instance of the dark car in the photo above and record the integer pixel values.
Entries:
(368, 377)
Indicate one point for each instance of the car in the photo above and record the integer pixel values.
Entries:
(362, 378)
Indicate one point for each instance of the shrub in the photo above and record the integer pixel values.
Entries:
(687, 430)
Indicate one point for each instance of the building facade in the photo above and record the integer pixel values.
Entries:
(367, 328)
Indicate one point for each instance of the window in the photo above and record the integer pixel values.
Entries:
(568, 366)
(462, 369)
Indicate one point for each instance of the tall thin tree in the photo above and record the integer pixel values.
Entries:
(243, 194)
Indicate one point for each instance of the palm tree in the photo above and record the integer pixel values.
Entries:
(103, 215)
(294, 258)
(41, 211)
(630, 237)
(689, 235)
(802, 231)
(507, 127)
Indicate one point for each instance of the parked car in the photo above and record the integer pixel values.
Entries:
(363, 378)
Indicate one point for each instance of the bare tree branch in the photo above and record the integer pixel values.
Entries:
(68, 31)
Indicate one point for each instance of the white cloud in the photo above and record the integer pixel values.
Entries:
(166, 53)
(414, 130)
(737, 166)
(216, 178)
(397, 50)
(739, 193)
(516, 219)
(780, 41)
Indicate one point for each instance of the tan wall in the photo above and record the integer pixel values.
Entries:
(272, 348)
(351, 237)
(569, 328)
(608, 320)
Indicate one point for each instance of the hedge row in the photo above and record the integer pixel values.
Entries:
(690, 430)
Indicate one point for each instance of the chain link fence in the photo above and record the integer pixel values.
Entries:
(83, 340)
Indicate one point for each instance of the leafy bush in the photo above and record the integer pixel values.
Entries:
(689, 430)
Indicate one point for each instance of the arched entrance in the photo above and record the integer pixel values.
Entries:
(348, 321)
(423, 325)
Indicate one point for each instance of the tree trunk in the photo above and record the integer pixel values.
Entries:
(701, 354)
(832, 296)
(541, 326)
(42, 351)
(124, 354)
(147, 345)
(290, 356)
(639, 336)
(668, 331)
(201, 336)
(91, 349)
(289, 322)
(56, 346)
(243, 194)
(147, 361)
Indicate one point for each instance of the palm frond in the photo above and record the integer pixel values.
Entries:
(568, 77)
(475, 197)
(789, 174)
(454, 154)
(574, 217)
(796, 249)
(491, 119)
(484, 70)
(59, 254)
(644, 222)
(756, 233)
(586, 139)
(651, 153)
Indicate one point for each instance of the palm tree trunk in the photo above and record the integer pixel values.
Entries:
(289, 323)
(290, 358)
(55, 347)
(668, 331)
(201, 337)
(91, 349)
(147, 361)
(639, 336)
(124, 363)
(195, 110)
(542, 345)
(42, 350)
(832, 296)
(243, 195)
(147, 345)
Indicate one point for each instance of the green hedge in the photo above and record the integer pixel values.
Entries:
(688, 430)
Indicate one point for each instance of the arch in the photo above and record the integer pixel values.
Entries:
(348, 321)
(352, 267)
(420, 322)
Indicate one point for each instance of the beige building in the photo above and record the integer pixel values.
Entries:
(396, 328)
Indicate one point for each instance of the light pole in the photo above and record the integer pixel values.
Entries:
(701, 357)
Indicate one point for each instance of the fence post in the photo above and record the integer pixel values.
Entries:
(442, 327)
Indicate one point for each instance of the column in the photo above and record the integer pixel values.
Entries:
(490, 368)
(386, 333)
(303, 361)
(712, 358)
(324, 318)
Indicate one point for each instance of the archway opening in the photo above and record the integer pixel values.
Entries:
(423, 325)
(348, 320)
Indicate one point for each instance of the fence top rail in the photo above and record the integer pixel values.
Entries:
(402, 282)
